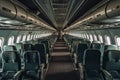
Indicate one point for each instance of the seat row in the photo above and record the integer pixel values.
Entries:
(95, 60)
(25, 61)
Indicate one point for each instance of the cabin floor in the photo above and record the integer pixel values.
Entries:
(61, 66)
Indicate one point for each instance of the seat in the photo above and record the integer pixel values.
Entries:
(32, 65)
(80, 51)
(11, 64)
(0, 57)
(47, 46)
(27, 47)
(92, 65)
(19, 47)
(9, 48)
(96, 46)
(111, 62)
(73, 47)
(42, 50)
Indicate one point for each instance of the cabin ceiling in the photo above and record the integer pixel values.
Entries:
(60, 14)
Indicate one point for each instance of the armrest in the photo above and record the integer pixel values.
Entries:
(47, 58)
(75, 58)
(81, 70)
(108, 76)
(18, 75)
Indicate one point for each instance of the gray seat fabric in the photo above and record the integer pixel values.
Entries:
(10, 64)
(92, 65)
(31, 65)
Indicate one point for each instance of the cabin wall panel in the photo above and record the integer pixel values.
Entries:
(113, 33)
(5, 34)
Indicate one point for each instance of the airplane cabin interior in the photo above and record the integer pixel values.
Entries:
(59, 39)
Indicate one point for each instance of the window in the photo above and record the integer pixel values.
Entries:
(18, 39)
(24, 38)
(91, 37)
(11, 40)
(107, 40)
(28, 37)
(87, 36)
(84, 35)
(100, 38)
(32, 37)
(118, 41)
(1, 41)
(95, 37)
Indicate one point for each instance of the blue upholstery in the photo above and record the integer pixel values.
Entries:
(10, 64)
(42, 50)
(96, 46)
(111, 63)
(19, 47)
(32, 65)
(47, 45)
(27, 47)
(80, 51)
(0, 57)
(92, 65)
(9, 48)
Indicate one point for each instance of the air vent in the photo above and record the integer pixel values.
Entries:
(118, 6)
(98, 15)
(6, 9)
(30, 20)
(22, 16)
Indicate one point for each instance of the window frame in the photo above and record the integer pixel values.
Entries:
(11, 40)
(107, 42)
(2, 41)
(116, 42)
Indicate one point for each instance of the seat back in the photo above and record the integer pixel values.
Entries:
(19, 47)
(80, 51)
(31, 60)
(9, 48)
(42, 50)
(111, 62)
(96, 46)
(47, 45)
(10, 61)
(74, 46)
(92, 65)
(92, 59)
(27, 47)
(0, 57)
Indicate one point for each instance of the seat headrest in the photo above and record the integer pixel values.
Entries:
(9, 48)
(31, 57)
(92, 56)
(114, 55)
(9, 56)
(27, 47)
(112, 47)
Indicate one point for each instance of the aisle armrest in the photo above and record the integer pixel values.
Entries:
(18, 75)
(108, 76)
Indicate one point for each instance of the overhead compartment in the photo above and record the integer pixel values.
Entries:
(15, 12)
(110, 10)
(22, 14)
(7, 11)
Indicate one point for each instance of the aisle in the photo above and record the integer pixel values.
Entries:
(61, 67)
